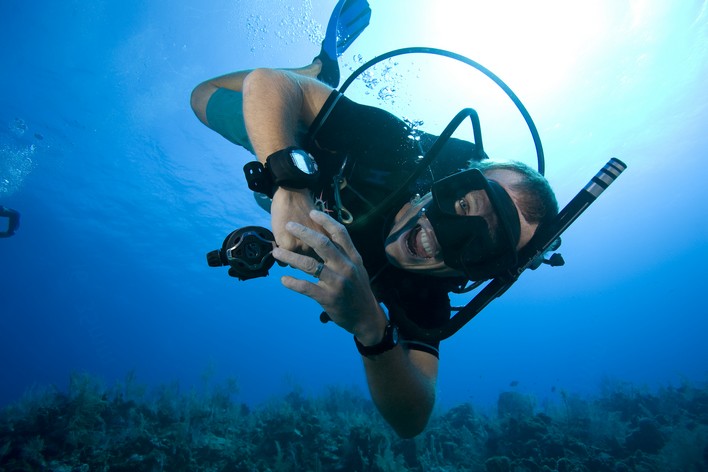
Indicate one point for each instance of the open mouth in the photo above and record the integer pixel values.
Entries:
(419, 243)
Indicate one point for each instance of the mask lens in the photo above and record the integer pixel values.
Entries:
(466, 240)
(447, 191)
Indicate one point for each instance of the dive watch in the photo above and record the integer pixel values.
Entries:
(293, 168)
(389, 341)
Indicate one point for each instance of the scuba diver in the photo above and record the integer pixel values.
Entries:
(406, 258)
(386, 234)
(13, 221)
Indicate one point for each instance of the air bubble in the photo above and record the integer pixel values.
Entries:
(386, 93)
(18, 127)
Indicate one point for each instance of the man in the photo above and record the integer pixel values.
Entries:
(408, 256)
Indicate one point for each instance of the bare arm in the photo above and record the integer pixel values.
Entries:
(401, 381)
(402, 386)
(278, 108)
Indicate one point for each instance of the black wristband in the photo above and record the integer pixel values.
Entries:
(292, 167)
(259, 179)
(389, 341)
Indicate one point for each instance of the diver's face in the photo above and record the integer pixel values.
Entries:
(411, 244)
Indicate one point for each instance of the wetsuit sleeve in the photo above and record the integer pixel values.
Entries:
(428, 313)
(224, 113)
(417, 299)
(380, 140)
(379, 150)
(375, 136)
(382, 151)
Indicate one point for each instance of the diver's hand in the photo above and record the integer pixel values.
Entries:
(291, 205)
(343, 288)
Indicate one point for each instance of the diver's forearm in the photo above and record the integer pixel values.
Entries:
(401, 393)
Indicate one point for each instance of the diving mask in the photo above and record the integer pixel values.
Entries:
(466, 241)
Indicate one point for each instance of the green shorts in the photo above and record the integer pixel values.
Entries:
(224, 114)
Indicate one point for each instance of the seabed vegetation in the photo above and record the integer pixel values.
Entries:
(127, 428)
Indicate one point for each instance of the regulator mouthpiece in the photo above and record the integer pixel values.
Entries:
(247, 251)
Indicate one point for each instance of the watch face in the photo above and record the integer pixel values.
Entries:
(394, 334)
(304, 162)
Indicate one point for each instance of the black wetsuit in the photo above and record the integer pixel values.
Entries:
(381, 152)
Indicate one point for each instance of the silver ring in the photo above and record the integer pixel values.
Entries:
(318, 271)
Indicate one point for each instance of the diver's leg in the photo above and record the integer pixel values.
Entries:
(224, 114)
(234, 81)
(348, 20)
(202, 93)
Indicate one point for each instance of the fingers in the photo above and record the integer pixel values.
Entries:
(286, 240)
(291, 206)
(337, 251)
(308, 265)
(291, 243)
(302, 262)
(342, 288)
(303, 287)
(321, 244)
(337, 231)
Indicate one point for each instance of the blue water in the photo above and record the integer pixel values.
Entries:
(122, 192)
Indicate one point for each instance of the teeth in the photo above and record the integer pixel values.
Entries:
(425, 242)
(410, 242)
(420, 244)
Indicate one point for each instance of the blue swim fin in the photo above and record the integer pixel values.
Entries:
(349, 19)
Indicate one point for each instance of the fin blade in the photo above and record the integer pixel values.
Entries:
(353, 11)
(349, 28)
(348, 20)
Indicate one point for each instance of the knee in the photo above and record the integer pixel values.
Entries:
(262, 81)
(200, 98)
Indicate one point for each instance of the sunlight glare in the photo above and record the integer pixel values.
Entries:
(556, 36)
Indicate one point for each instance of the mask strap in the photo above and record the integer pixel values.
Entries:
(409, 225)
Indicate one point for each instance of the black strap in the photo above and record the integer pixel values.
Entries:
(259, 179)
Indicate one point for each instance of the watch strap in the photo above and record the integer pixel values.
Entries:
(389, 341)
(259, 179)
(285, 173)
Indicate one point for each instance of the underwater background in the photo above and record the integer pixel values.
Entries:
(122, 192)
